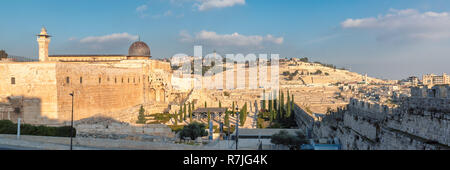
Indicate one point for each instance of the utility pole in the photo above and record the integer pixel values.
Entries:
(18, 128)
(71, 123)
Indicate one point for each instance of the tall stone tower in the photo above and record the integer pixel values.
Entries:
(43, 40)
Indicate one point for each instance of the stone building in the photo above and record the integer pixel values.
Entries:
(432, 79)
(103, 85)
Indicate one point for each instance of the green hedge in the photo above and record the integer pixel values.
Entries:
(176, 128)
(8, 127)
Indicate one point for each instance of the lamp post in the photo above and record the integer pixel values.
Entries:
(237, 126)
(71, 122)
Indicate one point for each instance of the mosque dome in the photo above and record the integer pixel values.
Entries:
(139, 48)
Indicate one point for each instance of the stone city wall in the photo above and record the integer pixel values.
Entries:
(98, 90)
(34, 84)
(419, 123)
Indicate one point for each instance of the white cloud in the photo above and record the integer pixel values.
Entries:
(235, 39)
(210, 4)
(110, 38)
(405, 24)
(106, 43)
(141, 10)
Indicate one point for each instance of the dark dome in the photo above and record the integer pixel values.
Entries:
(139, 48)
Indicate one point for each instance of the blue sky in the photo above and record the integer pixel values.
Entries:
(384, 38)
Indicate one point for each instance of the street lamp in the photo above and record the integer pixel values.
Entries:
(71, 123)
(237, 126)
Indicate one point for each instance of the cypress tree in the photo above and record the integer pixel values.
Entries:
(270, 103)
(281, 108)
(181, 112)
(220, 104)
(233, 112)
(243, 114)
(288, 105)
(206, 105)
(175, 116)
(275, 103)
(190, 113)
(141, 116)
(209, 117)
(184, 112)
(227, 119)
(263, 107)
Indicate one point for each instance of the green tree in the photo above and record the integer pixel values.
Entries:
(141, 117)
(175, 116)
(292, 141)
(184, 112)
(281, 108)
(227, 119)
(292, 105)
(304, 59)
(275, 104)
(288, 105)
(209, 117)
(194, 130)
(220, 104)
(263, 107)
(190, 113)
(233, 110)
(3, 54)
(270, 103)
(272, 115)
(181, 113)
(206, 105)
(243, 114)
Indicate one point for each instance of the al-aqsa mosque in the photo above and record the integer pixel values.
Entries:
(103, 85)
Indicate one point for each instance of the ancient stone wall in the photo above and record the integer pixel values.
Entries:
(362, 126)
(419, 123)
(35, 85)
(99, 90)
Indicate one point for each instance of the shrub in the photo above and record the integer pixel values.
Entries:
(8, 127)
(286, 139)
(194, 130)
(176, 128)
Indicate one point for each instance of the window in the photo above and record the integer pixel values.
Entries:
(99, 80)
(81, 80)
(13, 80)
(67, 80)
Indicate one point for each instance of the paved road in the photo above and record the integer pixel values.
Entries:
(9, 147)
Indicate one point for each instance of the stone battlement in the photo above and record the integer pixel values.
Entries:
(370, 109)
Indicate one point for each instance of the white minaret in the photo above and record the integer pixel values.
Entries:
(43, 40)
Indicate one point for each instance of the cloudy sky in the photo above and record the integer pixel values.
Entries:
(390, 39)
